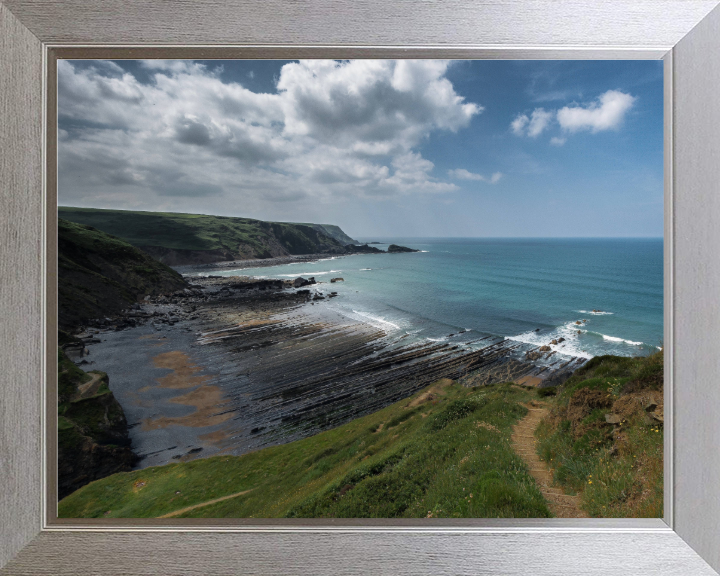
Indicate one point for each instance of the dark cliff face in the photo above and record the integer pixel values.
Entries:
(100, 275)
(93, 439)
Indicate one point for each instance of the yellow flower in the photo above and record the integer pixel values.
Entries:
(589, 481)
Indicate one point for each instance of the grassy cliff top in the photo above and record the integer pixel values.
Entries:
(204, 232)
(445, 452)
(604, 436)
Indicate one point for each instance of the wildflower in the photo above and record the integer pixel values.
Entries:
(589, 481)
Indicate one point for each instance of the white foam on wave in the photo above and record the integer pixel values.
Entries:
(365, 269)
(571, 346)
(308, 274)
(616, 339)
(377, 321)
(441, 339)
(595, 313)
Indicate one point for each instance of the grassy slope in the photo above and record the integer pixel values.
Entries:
(445, 452)
(197, 232)
(99, 274)
(618, 471)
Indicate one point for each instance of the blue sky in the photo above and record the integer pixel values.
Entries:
(381, 148)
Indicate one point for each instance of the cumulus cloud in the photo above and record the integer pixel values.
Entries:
(538, 122)
(330, 130)
(462, 174)
(519, 123)
(606, 113)
(531, 126)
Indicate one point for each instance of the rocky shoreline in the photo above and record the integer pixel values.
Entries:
(233, 364)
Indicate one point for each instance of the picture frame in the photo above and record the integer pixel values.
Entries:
(686, 34)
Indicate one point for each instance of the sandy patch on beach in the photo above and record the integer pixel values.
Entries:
(219, 438)
(183, 373)
(206, 399)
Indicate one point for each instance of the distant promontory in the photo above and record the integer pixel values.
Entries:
(178, 239)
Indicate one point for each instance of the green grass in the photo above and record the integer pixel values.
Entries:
(432, 459)
(617, 475)
(204, 232)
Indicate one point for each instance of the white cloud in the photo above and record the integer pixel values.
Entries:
(535, 124)
(332, 130)
(538, 122)
(606, 113)
(462, 174)
(518, 125)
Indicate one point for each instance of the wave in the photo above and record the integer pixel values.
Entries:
(616, 339)
(375, 320)
(571, 346)
(365, 269)
(595, 312)
(308, 274)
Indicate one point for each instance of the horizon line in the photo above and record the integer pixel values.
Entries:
(370, 235)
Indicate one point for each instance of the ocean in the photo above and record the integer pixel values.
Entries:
(527, 290)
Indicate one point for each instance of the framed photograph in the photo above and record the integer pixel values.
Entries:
(274, 395)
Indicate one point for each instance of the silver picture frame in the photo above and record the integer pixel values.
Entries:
(684, 33)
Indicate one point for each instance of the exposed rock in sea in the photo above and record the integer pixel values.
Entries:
(337, 280)
(300, 281)
(544, 348)
(362, 249)
(394, 249)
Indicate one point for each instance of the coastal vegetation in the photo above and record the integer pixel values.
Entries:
(444, 452)
(177, 239)
(603, 438)
(100, 275)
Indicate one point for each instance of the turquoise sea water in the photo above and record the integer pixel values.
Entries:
(503, 287)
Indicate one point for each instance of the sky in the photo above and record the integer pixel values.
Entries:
(404, 148)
